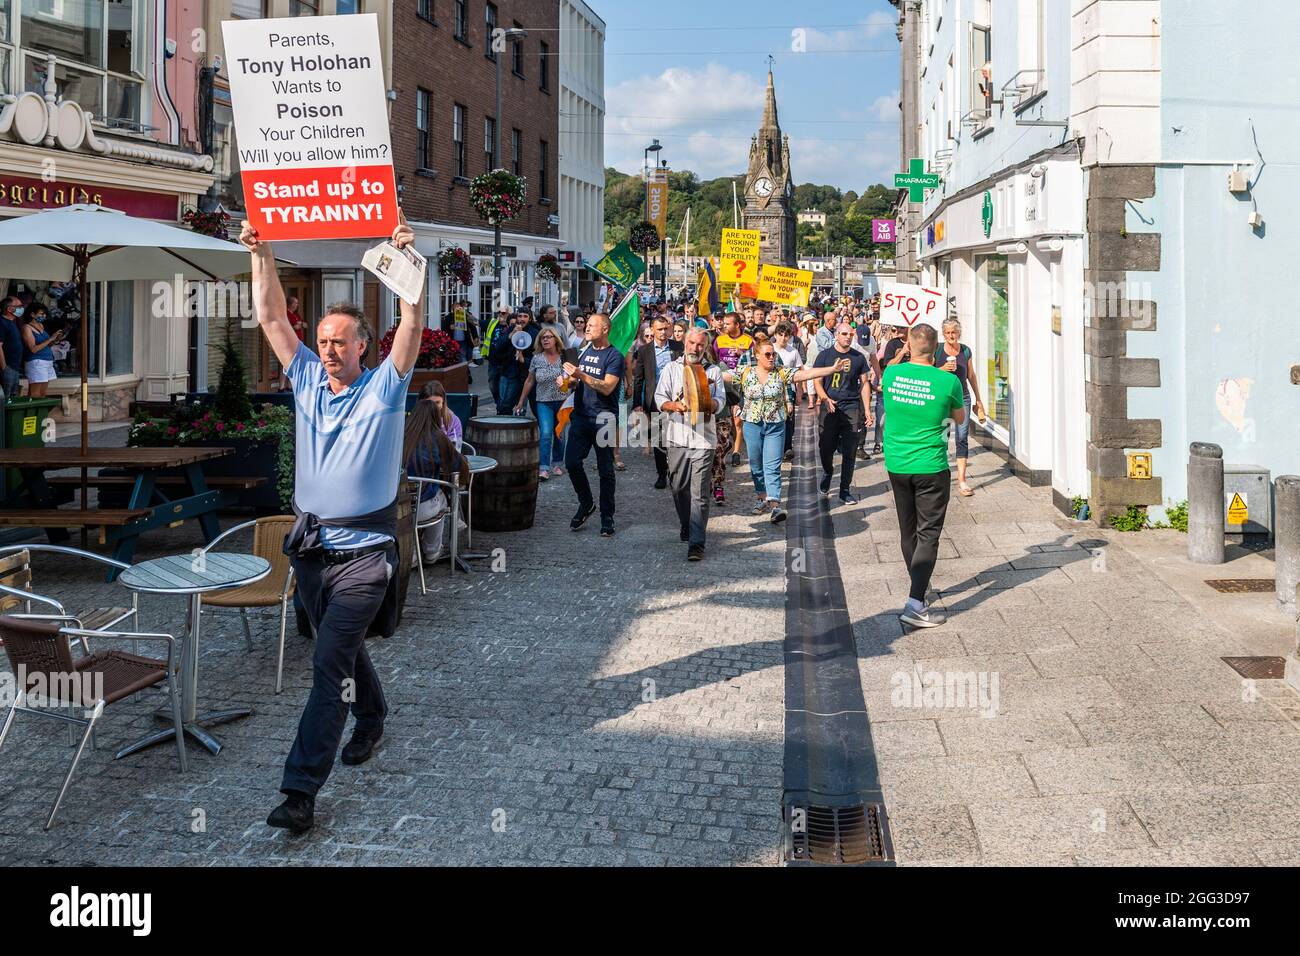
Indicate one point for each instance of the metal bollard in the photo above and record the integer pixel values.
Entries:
(1286, 530)
(1205, 540)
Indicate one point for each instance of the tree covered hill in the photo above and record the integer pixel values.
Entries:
(848, 215)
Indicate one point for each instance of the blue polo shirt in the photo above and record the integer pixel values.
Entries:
(349, 445)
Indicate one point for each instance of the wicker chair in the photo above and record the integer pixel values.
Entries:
(39, 651)
(16, 587)
(276, 589)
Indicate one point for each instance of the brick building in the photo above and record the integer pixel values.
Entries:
(442, 116)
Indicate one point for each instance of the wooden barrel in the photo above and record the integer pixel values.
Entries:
(405, 542)
(505, 498)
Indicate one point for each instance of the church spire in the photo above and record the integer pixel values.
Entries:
(770, 121)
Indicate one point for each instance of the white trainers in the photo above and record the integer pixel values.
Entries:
(928, 616)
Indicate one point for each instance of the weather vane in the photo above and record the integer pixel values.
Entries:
(770, 60)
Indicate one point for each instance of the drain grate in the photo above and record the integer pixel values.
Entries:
(1242, 585)
(838, 835)
(1258, 668)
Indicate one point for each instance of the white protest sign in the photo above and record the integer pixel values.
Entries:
(311, 123)
(906, 305)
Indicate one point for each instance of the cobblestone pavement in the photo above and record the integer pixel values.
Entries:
(1119, 736)
(600, 701)
(605, 702)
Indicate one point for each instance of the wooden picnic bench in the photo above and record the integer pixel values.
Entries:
(32, 504)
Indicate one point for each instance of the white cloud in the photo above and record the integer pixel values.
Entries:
(878, 24)
(681, 106)
(885, 108)
(846, 165)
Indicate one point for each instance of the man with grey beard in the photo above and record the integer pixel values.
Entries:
(690, 448)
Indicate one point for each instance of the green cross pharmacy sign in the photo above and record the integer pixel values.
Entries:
(916, 180)
(986, 214)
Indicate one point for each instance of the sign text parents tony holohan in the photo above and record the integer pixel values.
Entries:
(311, 118)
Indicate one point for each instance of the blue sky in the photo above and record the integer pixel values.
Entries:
(692, 73)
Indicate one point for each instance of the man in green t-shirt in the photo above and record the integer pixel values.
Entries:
(920, 401)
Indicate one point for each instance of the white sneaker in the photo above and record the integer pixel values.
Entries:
(543, 475)
(928, 616)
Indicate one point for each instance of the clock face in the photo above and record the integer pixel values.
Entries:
(763, 187)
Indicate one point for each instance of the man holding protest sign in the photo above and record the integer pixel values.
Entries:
(343, 545)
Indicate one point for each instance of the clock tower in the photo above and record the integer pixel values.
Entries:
(769, 191)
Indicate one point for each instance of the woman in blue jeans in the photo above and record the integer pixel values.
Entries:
(764, 390)
(544, 371)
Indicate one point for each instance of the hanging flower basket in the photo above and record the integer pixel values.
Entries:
(548, 268)
(457, 263)
(206, 223)
(644, 237)
(498, 195)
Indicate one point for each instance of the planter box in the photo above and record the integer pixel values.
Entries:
(454, 378)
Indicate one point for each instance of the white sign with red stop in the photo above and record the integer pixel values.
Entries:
(907, 305)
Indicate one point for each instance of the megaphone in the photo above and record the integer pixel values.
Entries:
(522, 340)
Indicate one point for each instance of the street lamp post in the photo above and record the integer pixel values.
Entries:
(654, 147)
(514, 33)
(663, 249)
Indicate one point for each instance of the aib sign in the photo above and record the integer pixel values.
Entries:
(884, 230)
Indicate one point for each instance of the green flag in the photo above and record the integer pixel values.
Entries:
(621, 266)
(625, 323)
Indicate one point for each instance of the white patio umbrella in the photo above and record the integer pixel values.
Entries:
(88, 243)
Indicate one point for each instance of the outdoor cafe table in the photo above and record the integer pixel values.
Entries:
(193, 576)
(197, 501)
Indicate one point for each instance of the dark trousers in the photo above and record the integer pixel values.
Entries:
(582, 439)
(341, 600)
(689, 478)
(659, 448)
(922, 502)
(840, 433)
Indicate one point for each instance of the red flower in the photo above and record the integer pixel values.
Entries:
(220, 426)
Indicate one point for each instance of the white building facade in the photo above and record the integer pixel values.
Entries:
(1004, 234)
(582, 146)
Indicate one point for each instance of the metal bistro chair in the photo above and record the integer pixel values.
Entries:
(40, 654)
(16, 587)
(467, 449)
(453, 489)
(274, 589)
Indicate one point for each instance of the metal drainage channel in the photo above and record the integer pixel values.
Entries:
(832, 805)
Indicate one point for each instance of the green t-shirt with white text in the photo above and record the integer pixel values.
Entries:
(918, 400)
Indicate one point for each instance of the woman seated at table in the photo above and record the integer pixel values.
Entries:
(434, 394)
(429, 453)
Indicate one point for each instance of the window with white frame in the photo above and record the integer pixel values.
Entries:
(422, 138)
(458, 139)
(1030, 63)
(247, 9)
(99, 47)
(981, 74)
(489, 144)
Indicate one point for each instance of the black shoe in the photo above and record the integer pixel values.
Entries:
(778, 515)
(863, 455)
(662, 483)
(735, 459)
(581, 517)
(848, 497)
(607, 530)
(825, 484)
(295, 814)
(695, 552)
(362, 745)
(686, 533)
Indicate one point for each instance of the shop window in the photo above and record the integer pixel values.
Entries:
(995, 336)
